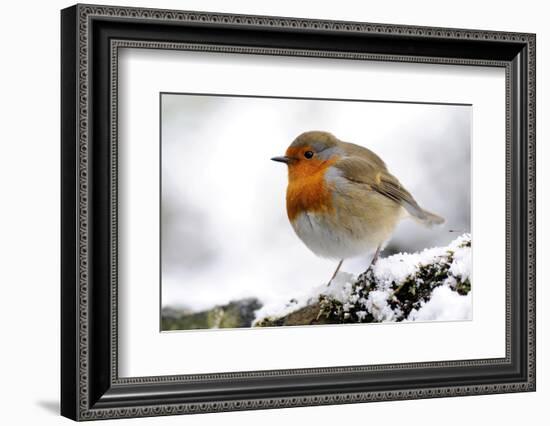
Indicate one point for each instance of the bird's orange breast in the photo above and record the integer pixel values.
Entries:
(308, 191)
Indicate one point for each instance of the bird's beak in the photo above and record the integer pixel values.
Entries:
(283, 159)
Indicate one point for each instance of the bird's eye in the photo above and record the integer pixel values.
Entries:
(308, 154)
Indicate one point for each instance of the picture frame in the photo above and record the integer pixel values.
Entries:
(91, 387)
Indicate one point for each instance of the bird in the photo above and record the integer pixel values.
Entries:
(342, 201)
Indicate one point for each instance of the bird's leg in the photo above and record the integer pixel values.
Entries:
(374, 258)
(335, 272)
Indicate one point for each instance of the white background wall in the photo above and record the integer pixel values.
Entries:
(29, 212)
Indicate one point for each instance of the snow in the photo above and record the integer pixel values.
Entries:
(444, 305)
(462, 265)
(377, 304)
(384, 300)
(340, 289)
(276, 310)
(399, 266)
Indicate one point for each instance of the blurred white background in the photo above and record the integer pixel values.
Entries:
(225, 233)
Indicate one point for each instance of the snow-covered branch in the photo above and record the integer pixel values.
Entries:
(431, 285)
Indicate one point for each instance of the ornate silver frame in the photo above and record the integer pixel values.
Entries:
(91, 388)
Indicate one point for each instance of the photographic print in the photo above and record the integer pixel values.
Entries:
(300, 212)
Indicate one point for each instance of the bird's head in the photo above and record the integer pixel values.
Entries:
(310, 153)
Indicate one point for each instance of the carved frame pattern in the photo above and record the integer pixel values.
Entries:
(85, 409)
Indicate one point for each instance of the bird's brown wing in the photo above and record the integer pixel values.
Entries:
(377, 178)
(360, 152)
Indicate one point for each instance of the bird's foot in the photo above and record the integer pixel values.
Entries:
(335, 272)
(374, 259)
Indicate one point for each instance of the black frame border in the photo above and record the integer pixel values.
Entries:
(90, 387)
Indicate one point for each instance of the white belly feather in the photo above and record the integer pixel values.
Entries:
(332, 242)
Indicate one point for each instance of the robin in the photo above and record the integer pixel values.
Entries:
(341, 199)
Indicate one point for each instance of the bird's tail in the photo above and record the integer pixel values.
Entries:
(428, 218)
